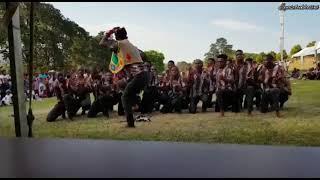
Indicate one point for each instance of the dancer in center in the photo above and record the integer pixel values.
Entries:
(126, 60)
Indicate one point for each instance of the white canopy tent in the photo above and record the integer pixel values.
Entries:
(307, 52)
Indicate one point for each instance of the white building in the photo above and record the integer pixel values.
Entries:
(307, 57)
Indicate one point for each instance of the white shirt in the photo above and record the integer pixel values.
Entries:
(7, 100)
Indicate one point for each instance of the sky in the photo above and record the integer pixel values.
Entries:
(183, 31)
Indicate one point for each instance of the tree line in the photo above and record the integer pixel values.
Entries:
(61, 44)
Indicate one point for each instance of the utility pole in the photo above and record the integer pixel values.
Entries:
(16, 68)
(282, 32)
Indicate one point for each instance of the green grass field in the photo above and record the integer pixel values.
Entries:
(299, 126)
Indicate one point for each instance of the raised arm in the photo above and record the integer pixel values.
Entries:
(107, 41)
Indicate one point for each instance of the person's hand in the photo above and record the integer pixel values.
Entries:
(113, 30)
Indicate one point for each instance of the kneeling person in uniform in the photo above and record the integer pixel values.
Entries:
(105, 99)
(60, 88)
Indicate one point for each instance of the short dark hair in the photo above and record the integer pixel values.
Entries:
(171, 61)
(148, 62)
(60, 74)
(211, 58)
(239, 50)
(121, 34)
(143, 55)
(269, 57)
(249, 59)
(223, 56)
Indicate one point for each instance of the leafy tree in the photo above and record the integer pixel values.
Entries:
(295, 49)
(312, 43)
(274, 54)
(259, 57)
(156, 58)
(285, 55)
(220, 46)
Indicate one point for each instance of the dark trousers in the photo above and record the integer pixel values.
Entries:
(238, 95)
(85, 102)
(117, 100)
(129, 95)
(102, 104)
(195, 100)
(250, 93)
(283, 97)
(164, 100)
(58, 110)
(174, 103)
(270, 96)
(225, 98)
(209, 102)
(72, 104)
(256, 97)
(148, 99)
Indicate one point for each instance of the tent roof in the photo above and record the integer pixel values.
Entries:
(305, 52)
(318, 45)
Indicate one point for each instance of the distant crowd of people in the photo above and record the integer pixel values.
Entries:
(312, 74)
(5, 89)
(42, 86)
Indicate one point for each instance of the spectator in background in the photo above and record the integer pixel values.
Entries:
(317, 71)
(5, 84)
(310, 75)
(295, 73)
(51, 83)
(7, 99)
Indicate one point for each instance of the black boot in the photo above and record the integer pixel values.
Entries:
(63, 115)
(130, 121)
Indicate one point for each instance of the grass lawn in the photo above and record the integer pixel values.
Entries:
(300, 125)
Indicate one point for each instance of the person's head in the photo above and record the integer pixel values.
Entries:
(153, 69)
(221, 60)
(229, 62)
(160, 77)
(249, 60)
(239, 56)
(68, 76)
(143, 56)
(60, 77)
(108, 76)
(8, 92)
(174, 71)
(268, 61)
(198, 64)
(170, 64)
(81, 71)
(121, 34)
(147, 66)
(210, 62)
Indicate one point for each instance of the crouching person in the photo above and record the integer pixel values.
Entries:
(105, 99)
(199, 83)
(225, 85)
(60, 89)
(271, 77)
(285, 92)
